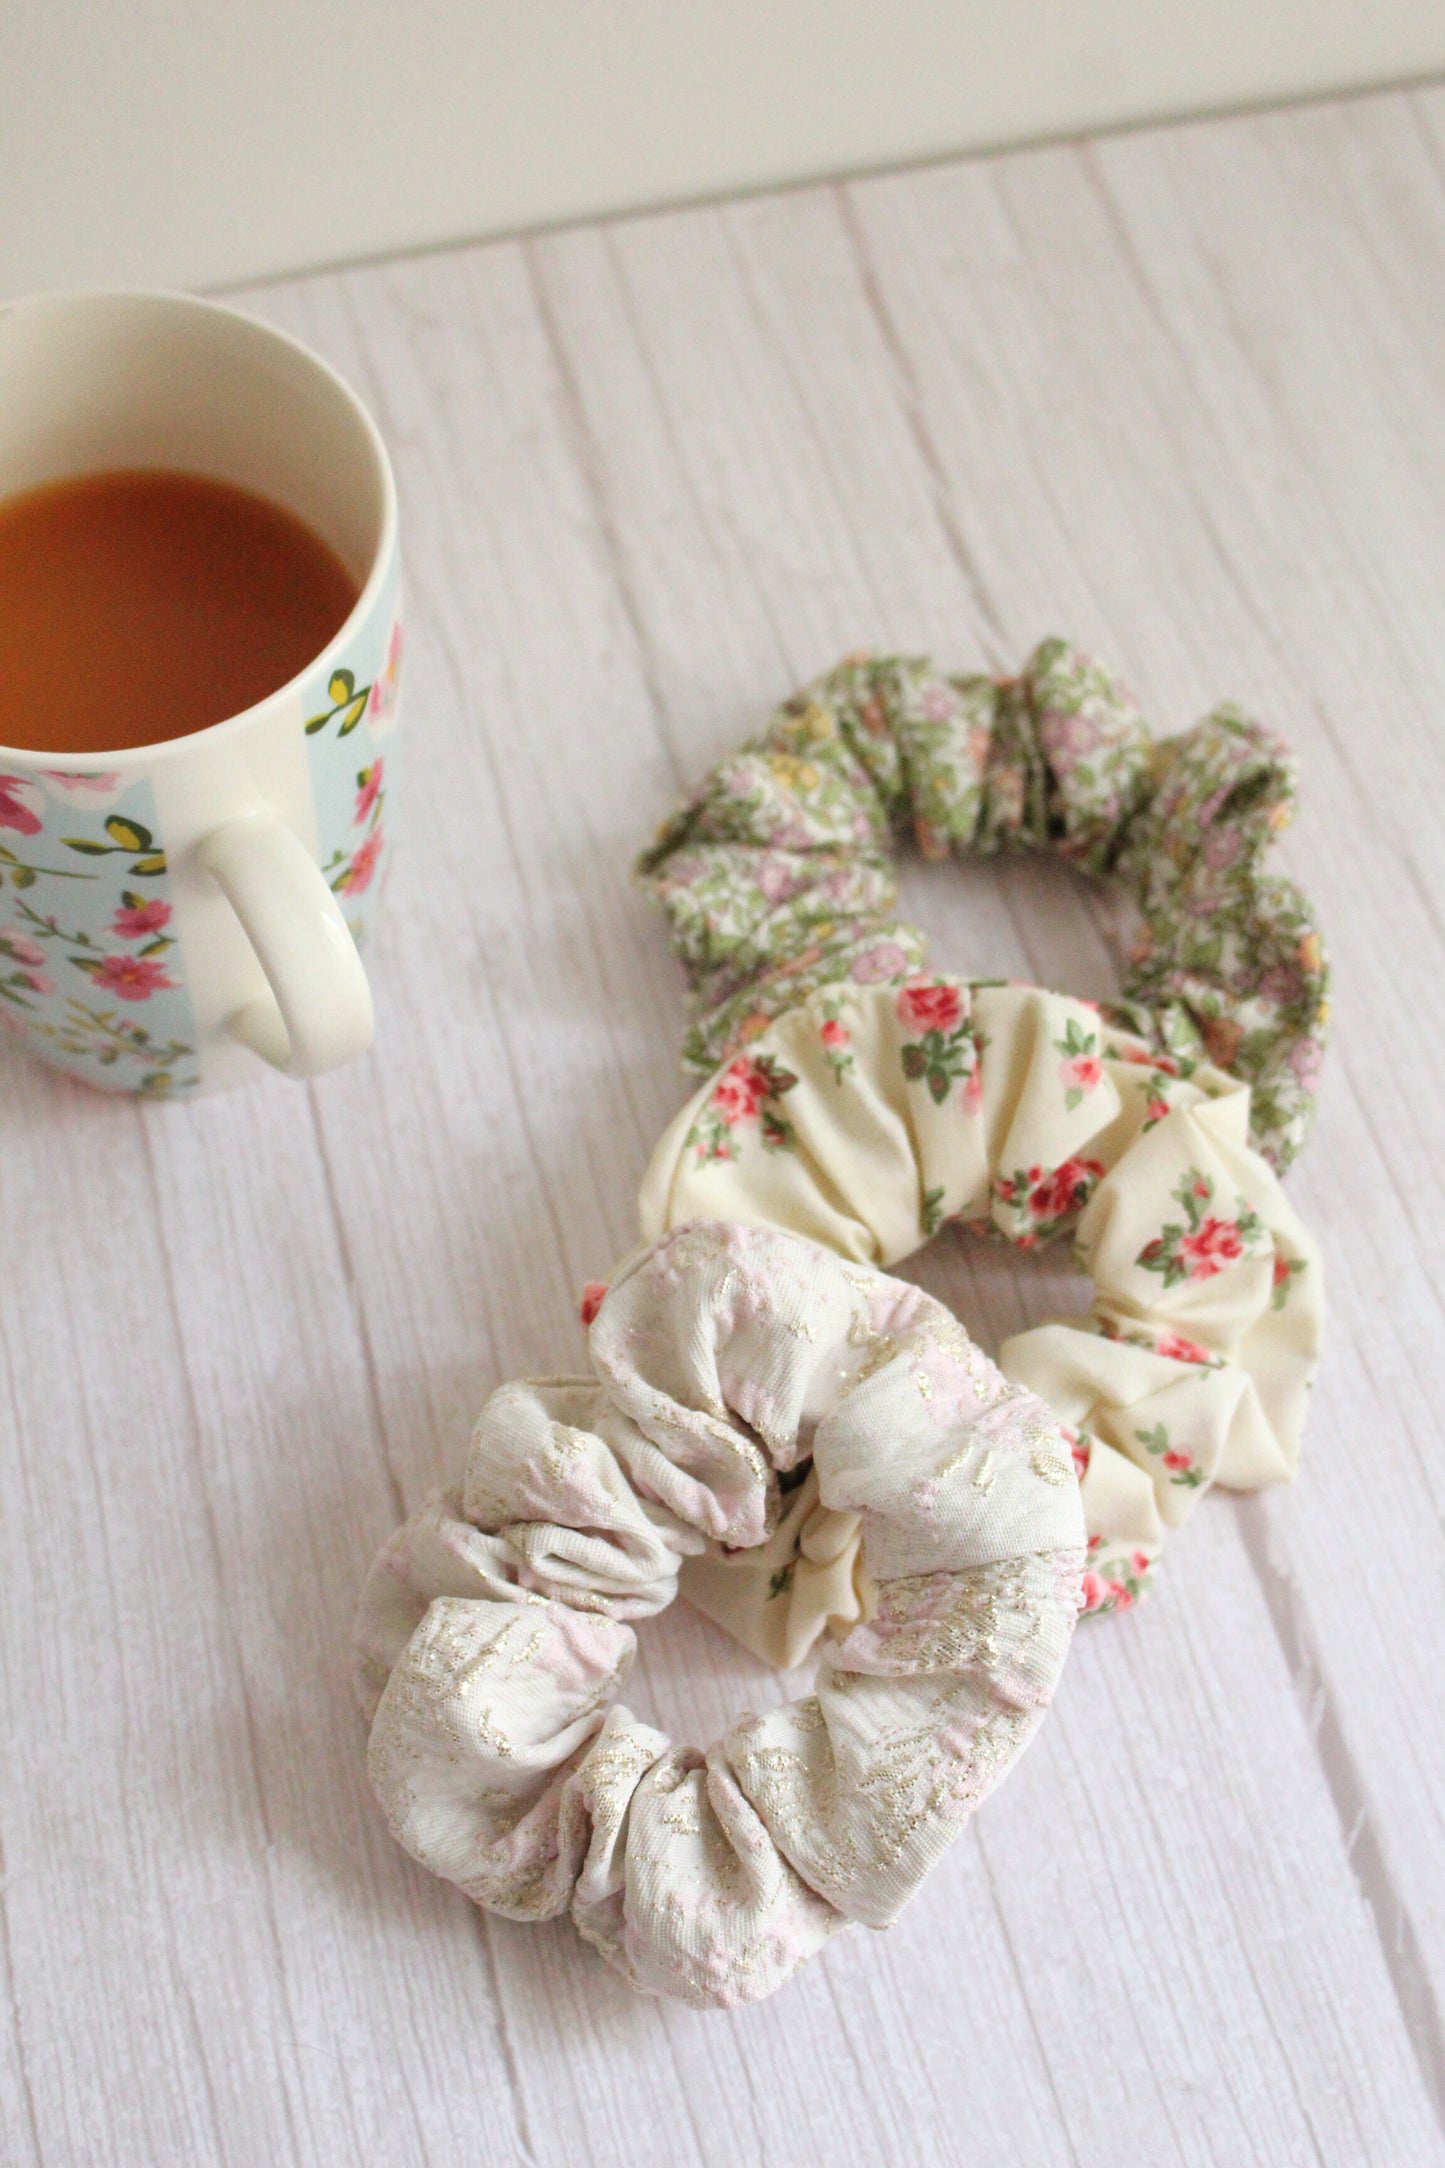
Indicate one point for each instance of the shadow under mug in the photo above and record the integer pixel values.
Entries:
(169, 913)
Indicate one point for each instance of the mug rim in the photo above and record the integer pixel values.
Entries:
(52, 762)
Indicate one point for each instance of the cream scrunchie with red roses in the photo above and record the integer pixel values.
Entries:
(869, 1115)
(491, 1630)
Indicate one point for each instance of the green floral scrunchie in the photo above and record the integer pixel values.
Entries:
(776, 875)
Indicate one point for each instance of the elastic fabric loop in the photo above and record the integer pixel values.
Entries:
(493, 1629)
(777, 875)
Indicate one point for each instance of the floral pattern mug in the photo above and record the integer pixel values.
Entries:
(174, 915)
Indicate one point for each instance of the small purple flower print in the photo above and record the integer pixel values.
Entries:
(1305, 1057)
(873, 966)
(775, 879)
(1281, 984)
(1068, 739)
(1222, 847)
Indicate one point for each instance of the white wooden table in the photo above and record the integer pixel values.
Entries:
(1180, 395)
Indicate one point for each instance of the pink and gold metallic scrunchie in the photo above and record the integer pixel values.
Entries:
(493, 1629)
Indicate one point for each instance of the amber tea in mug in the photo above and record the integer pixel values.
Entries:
(201, 597)
(200, 693)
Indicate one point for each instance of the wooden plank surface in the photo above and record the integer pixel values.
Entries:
(1179, 395)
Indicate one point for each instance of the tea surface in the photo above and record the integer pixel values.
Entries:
(138, 606)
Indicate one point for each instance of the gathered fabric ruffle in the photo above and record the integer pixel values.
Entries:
(496, 1625)
(777, 877)
(869, 1116)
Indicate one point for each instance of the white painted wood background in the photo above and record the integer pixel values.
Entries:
(1180, 395)
(197, 142)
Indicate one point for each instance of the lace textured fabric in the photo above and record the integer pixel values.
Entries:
(494, 1628)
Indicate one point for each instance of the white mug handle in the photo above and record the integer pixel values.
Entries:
(318, 1012)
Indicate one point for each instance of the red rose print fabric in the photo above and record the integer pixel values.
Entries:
(868, 1116)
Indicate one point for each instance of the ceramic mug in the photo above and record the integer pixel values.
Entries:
(174, 915)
